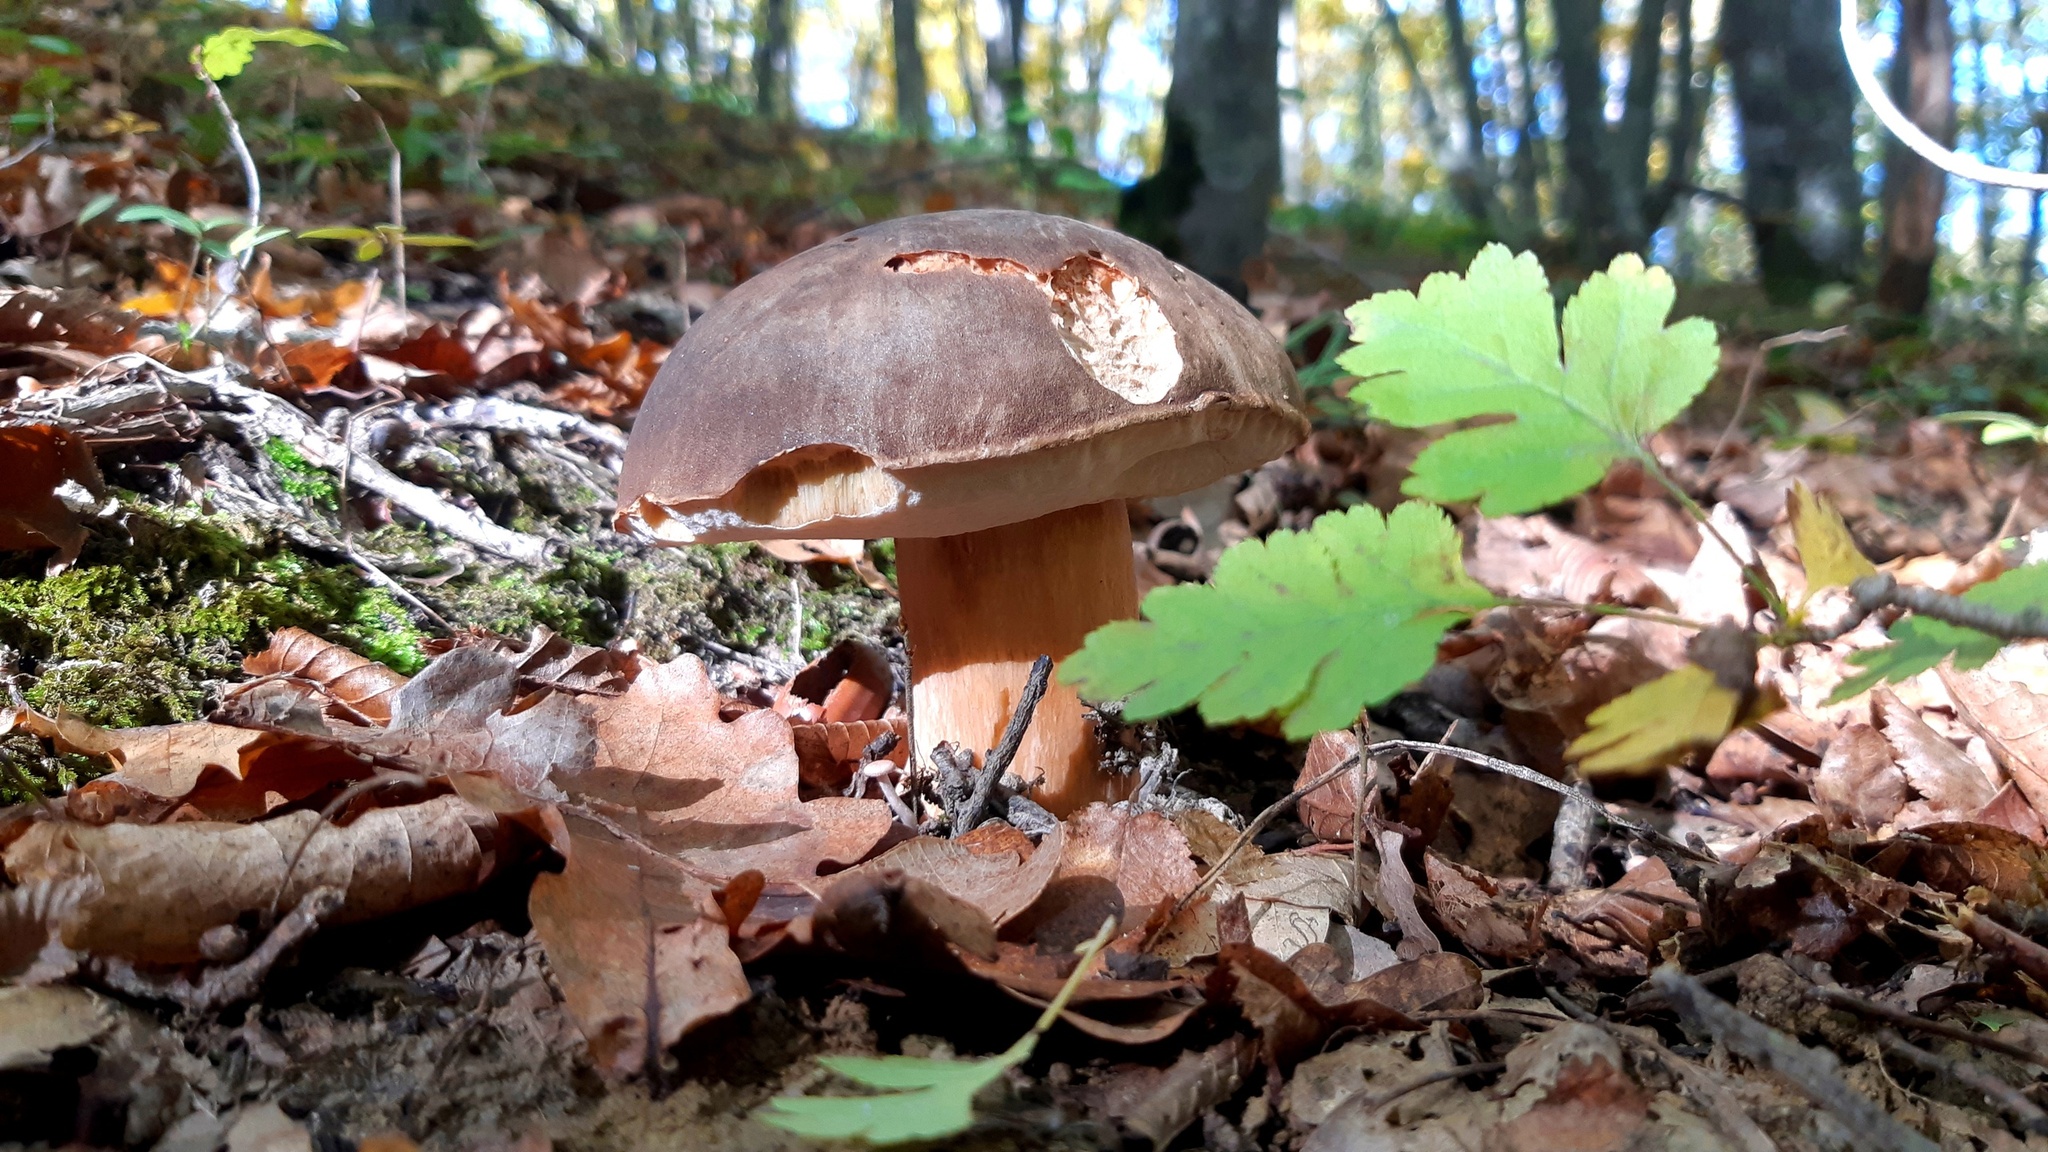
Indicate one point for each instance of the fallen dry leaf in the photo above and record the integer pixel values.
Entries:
(48, 472)
(2012, 718)
(1143, 857)
(1585, 1099)
(1472, 907)
(1938, 770)
(1857, 783)
(638, 945)
(720, 795)
(1615, 930)
(355, 681)
(162, 886)
(996, 881)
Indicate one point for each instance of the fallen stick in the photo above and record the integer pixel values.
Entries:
(1816, 1073)
(2008, 1098)
(271, 418)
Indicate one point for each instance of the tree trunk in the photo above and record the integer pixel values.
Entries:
(1418, 89)
(913, 103)
(696, 53)
(1987, 198)
(451, 22)
(1208, 204)
(1923, 85)
(1530, 160)
(1796, 104)
(964, 35)
(1471, 174)
(1589, 171)
(1370, 157)
(1638, 125)
(772, 59)
(1006, 77)
(1689, 118)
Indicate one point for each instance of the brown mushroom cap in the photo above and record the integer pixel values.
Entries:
(947, 373)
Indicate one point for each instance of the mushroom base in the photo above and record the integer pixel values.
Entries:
(981, 606)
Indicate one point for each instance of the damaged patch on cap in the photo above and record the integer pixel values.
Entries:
(1110, 324)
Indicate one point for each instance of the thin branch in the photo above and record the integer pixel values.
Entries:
(2008, 1098)
(1005, 750)
(1839, 997)
(566, 20)
(1871, 594)
(1863, 66)
(1816, 1073)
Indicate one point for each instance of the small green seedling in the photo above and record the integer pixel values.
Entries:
(1311, 627)
(923, 1099)
(375, 240)
(2001, 427)
(225, 53)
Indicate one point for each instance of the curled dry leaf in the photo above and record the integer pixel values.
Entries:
(1952, 782)
(1857, 782)
(887, 916)
(1397, 898)
(356, 681)
(638, 945)
(552, 662)
(163, 760)
(1531, 556)
(163, 886)
(454, 717)
(1329, 811)
(1474, 908)
(48, 472)
(1615, 930)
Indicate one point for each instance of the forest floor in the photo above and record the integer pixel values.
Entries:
(334, 823)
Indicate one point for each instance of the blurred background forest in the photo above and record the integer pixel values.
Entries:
(1299, 152)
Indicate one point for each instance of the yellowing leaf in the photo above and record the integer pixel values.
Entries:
(1826, 549)
(1642, 730)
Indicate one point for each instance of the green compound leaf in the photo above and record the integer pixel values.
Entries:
(1486, 344)
(1919, 643)
(922, 1099)
(1311, 626)
(228, 51)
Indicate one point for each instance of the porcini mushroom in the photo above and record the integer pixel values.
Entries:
(988, 387)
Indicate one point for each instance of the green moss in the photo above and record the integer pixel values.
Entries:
(136, 631)
(301, 477)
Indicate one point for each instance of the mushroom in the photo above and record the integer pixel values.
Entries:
(988, 387)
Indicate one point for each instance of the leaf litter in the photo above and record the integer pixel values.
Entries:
(541, 856)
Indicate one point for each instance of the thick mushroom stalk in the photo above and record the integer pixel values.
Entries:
(981, 606)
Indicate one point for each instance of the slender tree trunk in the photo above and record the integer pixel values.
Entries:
(1531, 161)
(1056, 123)
(1589, 171)
(913, 97)
(1418, 88)
(1472, 174)
(1006, 78)
(451, 22)
(690, 33)
(963, 36)
(1094, 59)
(629, 33)
(1980, 123)
(2027, 266)
(1796, 103)
(772, 59)
(1688, 121)
(1631, 154)
(1923, 84)
(1371, 156)
(1208, 204)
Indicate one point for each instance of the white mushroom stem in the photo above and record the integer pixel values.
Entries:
(981, 606)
